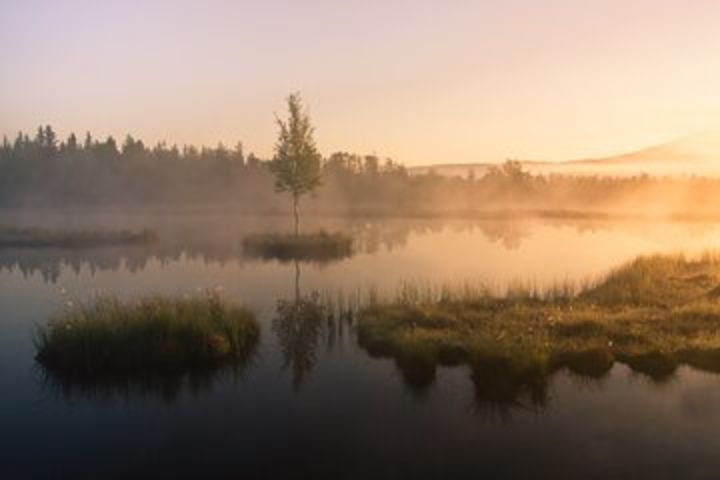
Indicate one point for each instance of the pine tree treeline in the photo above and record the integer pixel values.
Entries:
(44, 171)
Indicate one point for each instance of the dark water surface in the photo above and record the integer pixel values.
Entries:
(319, 406)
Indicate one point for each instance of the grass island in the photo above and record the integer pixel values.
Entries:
(651, 314)
(155, 334)
(320, 247)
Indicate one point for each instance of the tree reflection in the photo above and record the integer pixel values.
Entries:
(300, 325)
(213, 243)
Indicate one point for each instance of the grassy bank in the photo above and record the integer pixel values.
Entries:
(652, 314)
(39, 237)
(106, 337)
(319, 247)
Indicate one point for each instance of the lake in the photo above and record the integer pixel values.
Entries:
(320, 406)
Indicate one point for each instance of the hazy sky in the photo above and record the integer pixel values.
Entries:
(421, 81)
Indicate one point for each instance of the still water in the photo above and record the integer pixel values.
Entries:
(326, 408)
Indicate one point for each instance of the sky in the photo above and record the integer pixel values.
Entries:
(423, 82)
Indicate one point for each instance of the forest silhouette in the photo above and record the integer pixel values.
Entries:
(43, 171)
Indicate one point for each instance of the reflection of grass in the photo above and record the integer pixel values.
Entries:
(320, 246)
(167, 384)
(651, 314)
(40, 237)
(106, 338)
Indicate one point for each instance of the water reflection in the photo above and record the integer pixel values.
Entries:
(509, 234)
(320, 248)
(300, 325)
(210, 245)
(215, 242)
(504, 385)
(168, 386)
(621, 420)
(501, 389)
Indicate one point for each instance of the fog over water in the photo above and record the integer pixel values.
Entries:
(331, 396)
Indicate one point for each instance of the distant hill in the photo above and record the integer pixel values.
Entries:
(696, 154)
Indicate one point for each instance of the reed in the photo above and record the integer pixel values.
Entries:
(107, 336)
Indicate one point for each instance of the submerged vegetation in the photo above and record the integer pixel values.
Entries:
(41, 237)
(319, 247)
(106, 339)
(651, 314)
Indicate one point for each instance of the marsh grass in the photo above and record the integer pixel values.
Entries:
(42, 238)
(319, 247)
(106, 339)
(652, 314)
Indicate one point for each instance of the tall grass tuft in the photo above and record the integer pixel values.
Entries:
(657, 280)
(105, 335)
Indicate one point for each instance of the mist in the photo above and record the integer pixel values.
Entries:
(45, 172)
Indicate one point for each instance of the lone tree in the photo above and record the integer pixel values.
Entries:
(297, 163)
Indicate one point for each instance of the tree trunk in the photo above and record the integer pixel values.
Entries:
(297, 283)
(295, 213)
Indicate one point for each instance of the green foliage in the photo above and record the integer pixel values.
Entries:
(297, 163)
(106, 336)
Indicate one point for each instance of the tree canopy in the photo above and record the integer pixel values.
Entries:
(297, 164)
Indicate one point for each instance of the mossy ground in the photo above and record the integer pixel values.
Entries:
(652, 314)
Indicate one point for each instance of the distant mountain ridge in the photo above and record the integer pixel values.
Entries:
(699, 147)
(695, 154)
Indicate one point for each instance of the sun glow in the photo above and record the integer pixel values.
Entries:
(422, 82)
